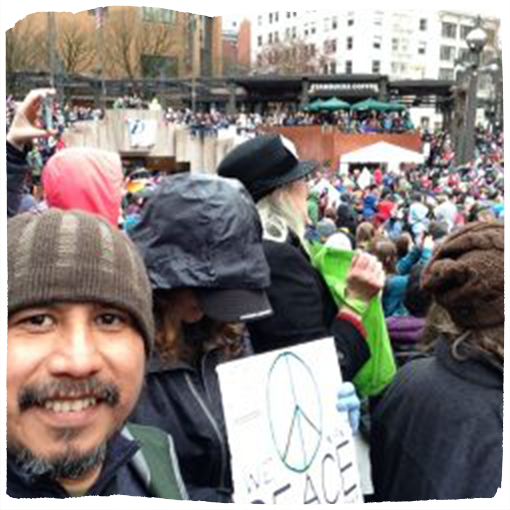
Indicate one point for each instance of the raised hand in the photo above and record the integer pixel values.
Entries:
(365, 278)
(24, 125)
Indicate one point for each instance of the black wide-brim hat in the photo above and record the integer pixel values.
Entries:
(264, 164)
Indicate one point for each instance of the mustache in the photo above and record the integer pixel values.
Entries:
(36, 395)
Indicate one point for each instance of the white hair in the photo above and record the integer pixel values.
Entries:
(278, 216)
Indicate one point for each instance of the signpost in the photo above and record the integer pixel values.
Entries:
(289, 445)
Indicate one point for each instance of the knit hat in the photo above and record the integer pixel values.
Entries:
(72, 256)
(466, 275)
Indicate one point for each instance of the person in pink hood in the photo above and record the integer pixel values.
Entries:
(87, 179)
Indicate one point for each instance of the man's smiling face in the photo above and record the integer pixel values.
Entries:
(74, 373)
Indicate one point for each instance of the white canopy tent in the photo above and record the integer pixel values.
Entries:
(381, 153)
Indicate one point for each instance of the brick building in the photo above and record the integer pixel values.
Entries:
(123, 42)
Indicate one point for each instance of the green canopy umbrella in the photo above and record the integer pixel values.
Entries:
(335, 104)
(370, 104)
(316, 106)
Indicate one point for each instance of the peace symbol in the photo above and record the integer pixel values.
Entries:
(294, 411)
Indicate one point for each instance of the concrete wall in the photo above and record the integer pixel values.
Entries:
(204, 153)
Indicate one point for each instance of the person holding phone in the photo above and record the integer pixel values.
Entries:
(84, 178)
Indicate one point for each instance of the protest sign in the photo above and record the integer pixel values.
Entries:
(288, 442)
(142, 133)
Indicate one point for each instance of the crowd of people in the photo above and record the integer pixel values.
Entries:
(121, 306)
(211, 122)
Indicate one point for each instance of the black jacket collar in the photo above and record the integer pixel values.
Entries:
(471, 365)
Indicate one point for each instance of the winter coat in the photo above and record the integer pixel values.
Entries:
(405, 330)
(185, 401)
(17, 171)
(87, 179)
(369, 207)
(126, 471)
(304, 309)
(393, 295)
(437, 432)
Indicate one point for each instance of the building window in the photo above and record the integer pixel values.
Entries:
(312, 29)
(260, 20)
(423, 24)
(350, 43)
(350, 22)
(348, 67)
(464, 54)
(287, 33)
(376, 66)
(311, 49)
(394, 44)
(157, 15)
(156, 66)
(330, 46)
(270, 39)
(377, 42)
(259, 40)
(422, 48)
(276, 17)
(449, 30)
(288, 14)
(294, 33)
(447, 53)
(326, 24)
(295, 14)
(276, 37)
(445, 74)
(464, 31)
(332, 68)
(334, 23)
(270, 17)
(378, 18)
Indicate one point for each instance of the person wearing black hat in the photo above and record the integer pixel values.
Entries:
(201, 240)
(303, 307)
(437, 432)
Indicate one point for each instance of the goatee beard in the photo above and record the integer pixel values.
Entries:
(69, 465)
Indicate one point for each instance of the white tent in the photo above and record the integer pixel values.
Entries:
(380, 153)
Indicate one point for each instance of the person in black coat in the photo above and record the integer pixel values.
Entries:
(201, 240)
(437, 432)
(303, 307)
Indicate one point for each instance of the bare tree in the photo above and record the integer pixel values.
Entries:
(127, 39)
(24, 48)
(291, 57)
(76, 46)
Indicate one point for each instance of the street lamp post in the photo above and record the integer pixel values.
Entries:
(476, 40)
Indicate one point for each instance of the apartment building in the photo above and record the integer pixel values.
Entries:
(403, 44)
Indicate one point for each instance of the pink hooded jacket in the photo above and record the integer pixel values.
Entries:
(87, 179)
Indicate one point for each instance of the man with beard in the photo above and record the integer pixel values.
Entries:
(79, 328)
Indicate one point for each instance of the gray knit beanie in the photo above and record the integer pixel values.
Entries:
(72, 256)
